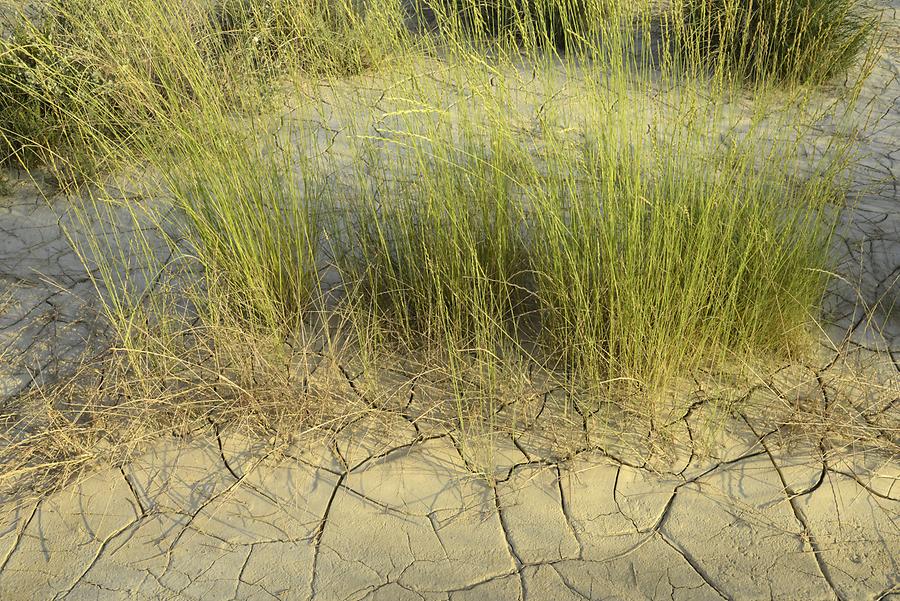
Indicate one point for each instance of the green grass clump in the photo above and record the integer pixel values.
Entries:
(612, 260)
(46, 87)
(480, 211)
(780, 40)
(442, 259)
(82, 78)
(556, 23)
(87, 77)
(320, 37)
(656, 250)
(252, 222)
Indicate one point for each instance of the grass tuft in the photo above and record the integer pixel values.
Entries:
(83, 79)
(320, 37)
(554, 23)
(252, 222)
(495, 222)
(803, 41)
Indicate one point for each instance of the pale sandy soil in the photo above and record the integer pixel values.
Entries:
(555, 513)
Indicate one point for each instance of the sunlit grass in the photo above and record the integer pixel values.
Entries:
(805, 41)
(487, 203)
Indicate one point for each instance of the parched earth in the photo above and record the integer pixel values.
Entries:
(217, 515)
(209, 518)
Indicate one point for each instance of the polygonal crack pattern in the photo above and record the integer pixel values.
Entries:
(416, 523)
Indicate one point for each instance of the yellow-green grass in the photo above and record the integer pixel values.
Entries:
(549, 23)
(797, 41)
(578, 216)
(84, 77)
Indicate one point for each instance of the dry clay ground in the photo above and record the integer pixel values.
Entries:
(753, 513)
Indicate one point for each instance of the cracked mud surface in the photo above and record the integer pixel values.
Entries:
(415, 515)
(227, 518)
